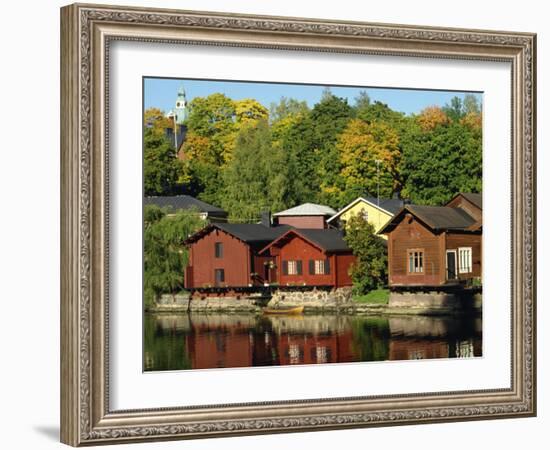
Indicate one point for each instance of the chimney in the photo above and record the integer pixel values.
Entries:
(266, 219)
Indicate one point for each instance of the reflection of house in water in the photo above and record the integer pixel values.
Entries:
(205, 341)
(213, 342)
(433, 337)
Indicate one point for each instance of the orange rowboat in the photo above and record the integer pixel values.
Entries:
(293, 311)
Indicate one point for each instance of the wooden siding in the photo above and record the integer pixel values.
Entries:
(312, 222)
(343, 264)
(203, 263)
(411, 234)
(457, 240)
(297, 249)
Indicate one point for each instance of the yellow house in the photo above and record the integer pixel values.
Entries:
(377, 211)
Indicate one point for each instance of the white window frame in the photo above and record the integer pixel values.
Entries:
(465, 260)
(292, 267)
(319, 267)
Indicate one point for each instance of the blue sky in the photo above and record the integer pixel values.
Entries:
(161, 93)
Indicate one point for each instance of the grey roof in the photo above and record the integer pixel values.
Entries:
(476, 199)
(442, 217)
(176, 202)
(307, 209)
(392, 205)
(329, 240)
(253, 232)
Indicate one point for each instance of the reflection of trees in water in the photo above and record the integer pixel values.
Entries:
(371, 338)
(174, 342)
(165, 343)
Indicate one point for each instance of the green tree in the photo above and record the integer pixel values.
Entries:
(438, 163)
(256, 178)
(286, 107)
(369, 270)
(161, 168)
(165, 256)
(293, 136)
(330, 117)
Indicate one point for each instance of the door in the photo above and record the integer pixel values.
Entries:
(451, 265)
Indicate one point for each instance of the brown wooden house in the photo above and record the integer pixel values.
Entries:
(228, 255)
(436, 245)
(311, 257)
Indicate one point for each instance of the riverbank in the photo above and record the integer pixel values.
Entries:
(339, 301)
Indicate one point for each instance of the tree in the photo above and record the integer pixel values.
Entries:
(455, 109)
(161, 167)
(433, 116)
(156, 120)
(286, 107)
(255, 180)
(293, 136)
(369, 156)
(441, 162)
(362, 101)
(165, 256)
(330, 117)
(369, 270)
(471, 105)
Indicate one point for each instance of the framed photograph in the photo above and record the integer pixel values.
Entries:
(276, 224)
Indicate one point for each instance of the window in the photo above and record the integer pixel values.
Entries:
(219, 275)
(464, 259)
(292, 267)
(218, 249)
(319, 266)
(365, 214)
(415, 261)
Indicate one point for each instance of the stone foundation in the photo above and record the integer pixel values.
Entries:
(335, 299)
(436, 302)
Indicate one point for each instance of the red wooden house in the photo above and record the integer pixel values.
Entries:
(228, 255)
(435, 245)
(311, 257)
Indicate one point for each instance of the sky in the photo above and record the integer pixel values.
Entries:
(161, 93)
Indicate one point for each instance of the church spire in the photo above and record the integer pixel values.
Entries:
(181, 106)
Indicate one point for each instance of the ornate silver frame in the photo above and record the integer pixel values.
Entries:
(86, 31)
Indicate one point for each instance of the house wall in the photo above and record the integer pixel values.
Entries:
(343, 264)
(411, 234)
(376, 217)
(456, 240)
(299, 249)
(259, 267)
(202, 261)
(313, 222)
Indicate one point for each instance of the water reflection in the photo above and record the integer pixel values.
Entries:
(203, 341)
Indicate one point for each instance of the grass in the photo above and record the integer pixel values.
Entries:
(376, 297)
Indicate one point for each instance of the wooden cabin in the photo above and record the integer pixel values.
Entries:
(311, 257)
(433, 246)
(376, 211)
(307, 215)
(228, 255)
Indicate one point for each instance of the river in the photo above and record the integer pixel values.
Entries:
(205, 341)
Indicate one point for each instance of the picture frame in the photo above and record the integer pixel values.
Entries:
(87, 31)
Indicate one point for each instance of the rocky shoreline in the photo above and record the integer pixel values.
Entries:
(339, 301)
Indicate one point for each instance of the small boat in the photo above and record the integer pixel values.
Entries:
(293, 311)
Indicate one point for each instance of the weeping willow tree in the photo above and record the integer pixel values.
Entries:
(165, 256)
